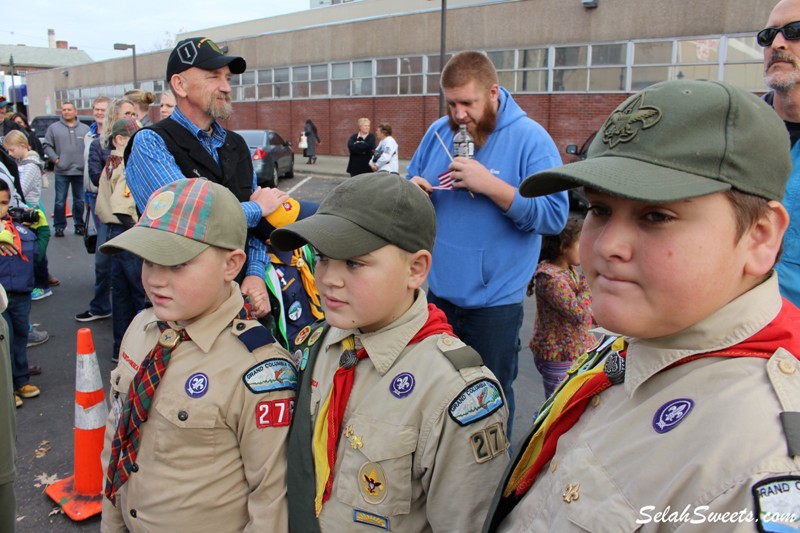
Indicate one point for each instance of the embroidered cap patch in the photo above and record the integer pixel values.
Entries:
(271, 375)
(476, 402)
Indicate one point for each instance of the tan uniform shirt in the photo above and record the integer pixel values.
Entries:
(113, 196)
(433, 473)
(614, 472)
(212, 456)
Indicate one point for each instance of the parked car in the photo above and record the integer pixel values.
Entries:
(273, 157)
(40, 124)
(577, 200)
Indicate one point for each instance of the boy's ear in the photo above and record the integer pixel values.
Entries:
(765, 238)
(234, 260)
(419, 265)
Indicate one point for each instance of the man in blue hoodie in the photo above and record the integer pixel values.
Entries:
(488, 236)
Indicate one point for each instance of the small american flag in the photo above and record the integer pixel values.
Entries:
(445, 181)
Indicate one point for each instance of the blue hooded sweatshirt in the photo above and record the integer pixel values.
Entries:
(484, 257)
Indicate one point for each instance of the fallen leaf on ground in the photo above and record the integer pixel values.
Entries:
(43, 479)
(43, 448)
(55, 511)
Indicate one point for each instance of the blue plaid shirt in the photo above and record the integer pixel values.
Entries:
(151, 166)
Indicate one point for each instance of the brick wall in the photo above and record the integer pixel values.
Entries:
(570, 118)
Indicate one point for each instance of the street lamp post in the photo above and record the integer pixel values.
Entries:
(123, 46)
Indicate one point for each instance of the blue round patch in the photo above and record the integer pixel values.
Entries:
(671, 414)
(196, 385)
(402, 385)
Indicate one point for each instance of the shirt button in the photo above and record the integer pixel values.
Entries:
(240, 326)
(595, 400)
(787, 367)
(447, 341)
(134, 467)
(133, 513)
(183, 416)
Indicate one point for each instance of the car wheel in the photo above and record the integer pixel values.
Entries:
(290, 173)
(274, 176)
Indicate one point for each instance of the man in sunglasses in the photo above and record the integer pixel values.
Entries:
(781, 43)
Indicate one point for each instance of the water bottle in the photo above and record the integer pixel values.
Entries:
(463, 144)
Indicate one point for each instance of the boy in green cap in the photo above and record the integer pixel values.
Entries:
(688, 415)
(398, 425)
(202, 396)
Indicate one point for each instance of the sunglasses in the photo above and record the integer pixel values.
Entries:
(790, 32)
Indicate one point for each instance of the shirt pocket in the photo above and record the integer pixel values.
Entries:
(600, 506)
(121, 378)
(376, 467)
(186, 430)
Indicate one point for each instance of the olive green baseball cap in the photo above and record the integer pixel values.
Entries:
(181, 220)
(677, 140)
(363, 214)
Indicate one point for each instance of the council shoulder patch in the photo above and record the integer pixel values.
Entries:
(271, 375)
(477, 401)
(777, 503)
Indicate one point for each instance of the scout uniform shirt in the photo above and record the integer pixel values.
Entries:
(671, 449)
(422, 444)
(212, 453)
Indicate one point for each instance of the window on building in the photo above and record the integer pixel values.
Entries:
(533, 67)
(570, 73)
(362, 78)
(743, 64)
(340, 79)
(607, 71)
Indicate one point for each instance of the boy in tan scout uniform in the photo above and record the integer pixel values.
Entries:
(202, 397)
(688, 417)
(422, 434)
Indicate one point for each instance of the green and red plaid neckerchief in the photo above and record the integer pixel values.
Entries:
(125, 444)
(566, 406)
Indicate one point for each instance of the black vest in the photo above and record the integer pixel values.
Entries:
(235, 168)
(234, 171)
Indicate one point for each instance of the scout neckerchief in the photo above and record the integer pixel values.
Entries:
(125, 444)
(301, 262)
(564, 409)
(12, 228)
(329, 418)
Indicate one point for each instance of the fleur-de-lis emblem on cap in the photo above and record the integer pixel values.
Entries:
(624, 125)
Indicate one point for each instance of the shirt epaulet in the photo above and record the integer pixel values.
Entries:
(783, 370)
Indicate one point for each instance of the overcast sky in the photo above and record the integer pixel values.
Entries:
(95, 30)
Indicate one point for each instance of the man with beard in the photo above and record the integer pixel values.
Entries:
(487, 242)
(191, 143)
(781, 43)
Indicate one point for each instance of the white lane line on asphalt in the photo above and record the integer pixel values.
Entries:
(290, 191)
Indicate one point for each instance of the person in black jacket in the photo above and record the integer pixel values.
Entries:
(36, 145)
(361, 145)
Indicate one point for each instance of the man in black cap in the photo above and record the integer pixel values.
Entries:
(191, 143)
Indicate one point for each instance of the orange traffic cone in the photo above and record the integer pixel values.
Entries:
(67, 212)
(81, 495)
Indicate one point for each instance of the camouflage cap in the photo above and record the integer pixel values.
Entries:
(677, 140)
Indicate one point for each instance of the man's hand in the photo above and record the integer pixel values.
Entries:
(8, 249)
(423, 184)
(256, 289)
(269, 199)
(470, 174)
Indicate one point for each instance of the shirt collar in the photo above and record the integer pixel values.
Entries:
(206, 329)
(735, 322)
(217, 131)
(385, 345)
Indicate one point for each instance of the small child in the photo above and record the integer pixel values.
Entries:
(407, 439)
(17, 253)
(31, 170)
(116, 209)
(563, 306)
(216, 391)
(685, 419)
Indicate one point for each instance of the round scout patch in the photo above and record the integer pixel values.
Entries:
(671, 414)
(372, 483)
(304, 360)
(160, 204)
(197, 385)
(295, 310)
(298, 356)
(315, 336)
(402, 385)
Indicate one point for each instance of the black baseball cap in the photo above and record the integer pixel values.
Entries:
(201, 52)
